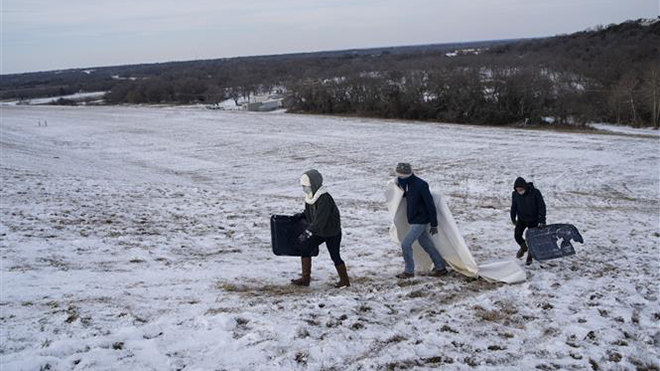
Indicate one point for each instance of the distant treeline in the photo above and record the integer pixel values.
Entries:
(608, 74)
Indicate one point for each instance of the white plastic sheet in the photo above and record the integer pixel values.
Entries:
(448, 241)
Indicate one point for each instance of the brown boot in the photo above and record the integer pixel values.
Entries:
(521, 252)
(343, 276)
(306, 273)
(529, 259)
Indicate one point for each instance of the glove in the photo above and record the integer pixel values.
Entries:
(541, 226)
(433, 231)
(513, 221)
(304, 236)
(298, 216)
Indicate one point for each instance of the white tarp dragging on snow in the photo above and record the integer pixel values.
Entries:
(448, 241)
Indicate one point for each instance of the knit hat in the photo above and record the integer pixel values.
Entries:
(403, 169)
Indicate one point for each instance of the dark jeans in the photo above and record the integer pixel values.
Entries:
(331, 242)
(520, 228)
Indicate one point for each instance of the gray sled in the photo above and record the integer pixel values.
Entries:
(553, 241)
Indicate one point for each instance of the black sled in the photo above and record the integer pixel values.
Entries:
(284, 232)
(553, 241)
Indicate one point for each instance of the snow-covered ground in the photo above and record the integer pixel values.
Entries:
(230, 104)
(627, 130)
(84, 96)
(138, 238)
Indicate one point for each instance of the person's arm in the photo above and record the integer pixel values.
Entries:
(430, 205)
(299, 216)
(540, 206)
(322, 214)
(514, 208)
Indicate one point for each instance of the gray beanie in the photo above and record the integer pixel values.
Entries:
(403, 168)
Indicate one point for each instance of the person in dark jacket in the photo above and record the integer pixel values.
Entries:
(323, 217)
(421, 212)
(527, 211)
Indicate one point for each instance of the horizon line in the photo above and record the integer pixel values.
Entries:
(296, 53)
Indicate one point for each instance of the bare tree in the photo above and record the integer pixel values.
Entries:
(650, 90)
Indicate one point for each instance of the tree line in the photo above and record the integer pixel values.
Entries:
(607, 74)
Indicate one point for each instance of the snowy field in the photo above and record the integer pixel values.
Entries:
(619, 129)
(138, 239)
(78, 97)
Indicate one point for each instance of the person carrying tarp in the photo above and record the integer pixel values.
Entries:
(420, 213)
(527, 211)
(323, 217)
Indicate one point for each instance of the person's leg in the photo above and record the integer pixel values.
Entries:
(529, 253)
(406, 246)
(518, 235)
(334, 244)
(427, 244)
(306, 275)
(306, 261)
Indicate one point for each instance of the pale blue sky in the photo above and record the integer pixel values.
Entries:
(47, 35)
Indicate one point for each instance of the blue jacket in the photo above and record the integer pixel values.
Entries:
(421, 208)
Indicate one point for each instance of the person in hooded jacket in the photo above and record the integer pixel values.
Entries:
(323, 217)
(423, 219)
(527, 211)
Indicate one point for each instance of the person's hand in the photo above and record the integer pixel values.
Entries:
(433, 231)
(541, 225)
(304, 236)
(513, 221)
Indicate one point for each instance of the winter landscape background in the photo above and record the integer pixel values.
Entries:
(138, 238)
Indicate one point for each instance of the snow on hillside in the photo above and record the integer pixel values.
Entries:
(82, 96)
(619, 129)
(138, 239)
